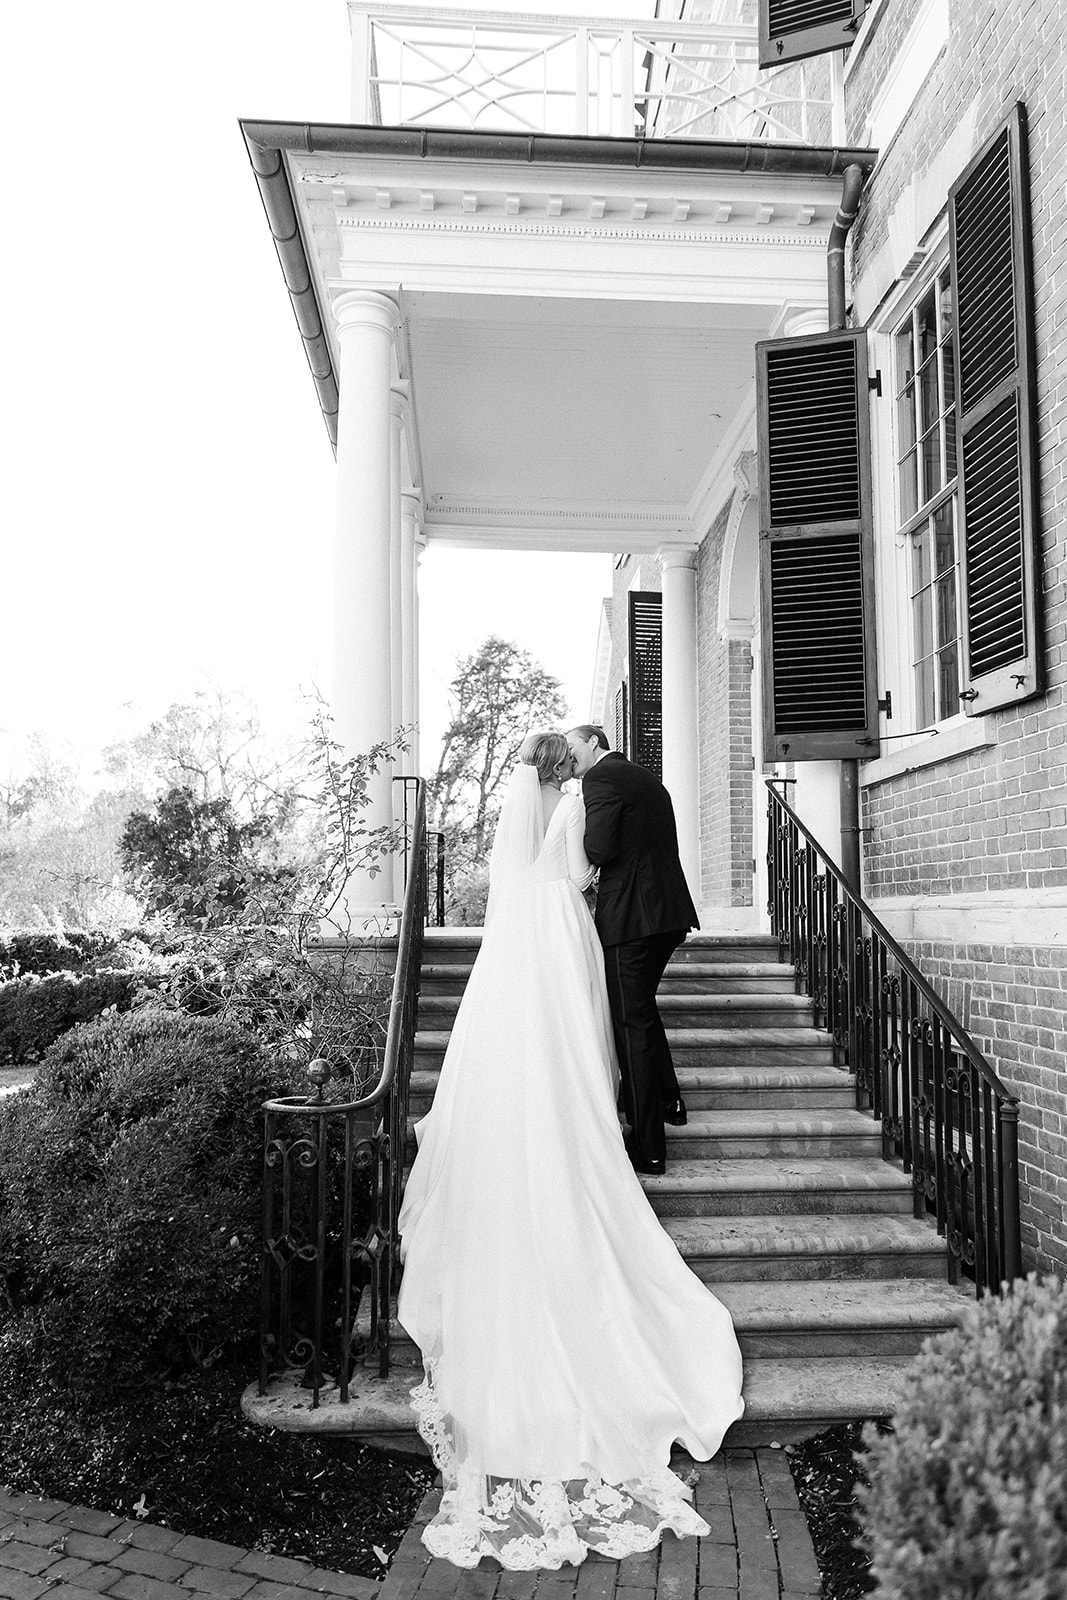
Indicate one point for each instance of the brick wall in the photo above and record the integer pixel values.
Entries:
(994, 820)
(1012, 999)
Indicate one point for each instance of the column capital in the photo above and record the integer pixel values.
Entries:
(365, 308)
(800, 320)
(674, 556)
(411, 505)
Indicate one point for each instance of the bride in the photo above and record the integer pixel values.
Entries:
(565, 1343)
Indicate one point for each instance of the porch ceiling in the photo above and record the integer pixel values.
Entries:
(572, 423)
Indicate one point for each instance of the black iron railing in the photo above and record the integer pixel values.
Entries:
(943, 1111)
(332, 1182)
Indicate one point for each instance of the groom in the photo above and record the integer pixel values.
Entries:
(643, 912)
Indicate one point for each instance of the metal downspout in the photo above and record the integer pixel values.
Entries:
(851, 189)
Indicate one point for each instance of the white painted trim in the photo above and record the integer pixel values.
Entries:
(1022, 917)
(947, 744)
(910, 68)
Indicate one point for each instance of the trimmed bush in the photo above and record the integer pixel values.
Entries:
(25, 955)
(129, 1207)
(968, 1494)
(36, 1011)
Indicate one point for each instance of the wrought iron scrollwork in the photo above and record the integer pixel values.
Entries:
(332, 1182)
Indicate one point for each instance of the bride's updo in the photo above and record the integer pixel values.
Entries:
(547, 752)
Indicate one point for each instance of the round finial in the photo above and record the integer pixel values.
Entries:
(320, 1072)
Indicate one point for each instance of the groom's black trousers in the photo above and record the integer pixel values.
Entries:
(648, 1082)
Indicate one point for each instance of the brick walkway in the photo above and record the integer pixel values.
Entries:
(758, 1549)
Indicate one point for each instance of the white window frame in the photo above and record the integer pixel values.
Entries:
(907, 746)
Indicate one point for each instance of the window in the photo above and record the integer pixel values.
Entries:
(927, 497)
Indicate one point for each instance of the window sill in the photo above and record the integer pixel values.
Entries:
(977, 733)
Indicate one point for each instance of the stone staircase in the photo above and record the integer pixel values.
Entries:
(776, 1193)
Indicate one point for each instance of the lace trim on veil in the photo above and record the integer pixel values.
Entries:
(526, 1524)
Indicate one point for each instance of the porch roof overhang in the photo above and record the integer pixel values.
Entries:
(484, 237)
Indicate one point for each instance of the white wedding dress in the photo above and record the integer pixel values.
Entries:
(566, 1344)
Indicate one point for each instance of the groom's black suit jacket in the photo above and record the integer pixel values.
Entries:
(630, 834)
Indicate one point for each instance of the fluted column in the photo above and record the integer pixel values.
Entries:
(409, 578)
(362, 693)
(680, 748)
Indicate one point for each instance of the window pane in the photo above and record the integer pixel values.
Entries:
(944, 538)
(929, 408)
(905, 359)
(926, 326)
(950, 445)
(923, 624)
(909, 488)
(906, 420)
(925, 709)
(948, 682)
(931, 463)
(920, 564)
(946, 608)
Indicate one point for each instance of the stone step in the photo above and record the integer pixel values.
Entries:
(736, 1135)
(462, 944)
(714, 1088)
(840, 1318)
(794, 1185)
(701, 1048)
(786, 1320)
(726, 977)
(857, 1245)
(787, 1400)
(835, 1133)
(720, 1011)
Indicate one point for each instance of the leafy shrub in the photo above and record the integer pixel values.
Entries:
(129, 1206)
(35, 954)
(35, 1012)
(968, 1494)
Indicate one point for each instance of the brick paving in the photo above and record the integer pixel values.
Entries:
(758, 1549)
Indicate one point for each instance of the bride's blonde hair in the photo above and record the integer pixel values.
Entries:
(545, 751)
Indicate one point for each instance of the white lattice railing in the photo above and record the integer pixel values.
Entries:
(445, 67)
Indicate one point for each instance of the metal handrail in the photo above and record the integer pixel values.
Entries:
(944, 1112)
(328, 1168)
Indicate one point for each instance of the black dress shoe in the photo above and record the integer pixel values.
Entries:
(654, 1169)
(675, 1113)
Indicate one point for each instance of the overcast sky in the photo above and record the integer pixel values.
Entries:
(168, 486)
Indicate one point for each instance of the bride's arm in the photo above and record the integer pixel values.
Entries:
(579, 868)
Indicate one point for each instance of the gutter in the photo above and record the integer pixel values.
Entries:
(267, 141)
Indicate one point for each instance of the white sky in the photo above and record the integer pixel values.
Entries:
(168, 487)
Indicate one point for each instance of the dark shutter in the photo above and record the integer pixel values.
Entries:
(622, 721)
(989, 232)
(816, 548)
(790, 29)
(646, 681)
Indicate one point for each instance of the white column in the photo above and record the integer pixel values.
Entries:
(361, 652)
(680, 752)
(397, 411)
(409, 532)
(420, 547)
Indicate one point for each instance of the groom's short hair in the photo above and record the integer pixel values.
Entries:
(587, 731)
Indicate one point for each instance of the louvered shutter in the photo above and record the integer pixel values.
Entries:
(989, 234)
(790, 29)
(622, 722)
(646, 680)
(816, 548)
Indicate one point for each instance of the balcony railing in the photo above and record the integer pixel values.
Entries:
(432, 66)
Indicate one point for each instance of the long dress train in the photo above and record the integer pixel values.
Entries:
(566, 1345)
